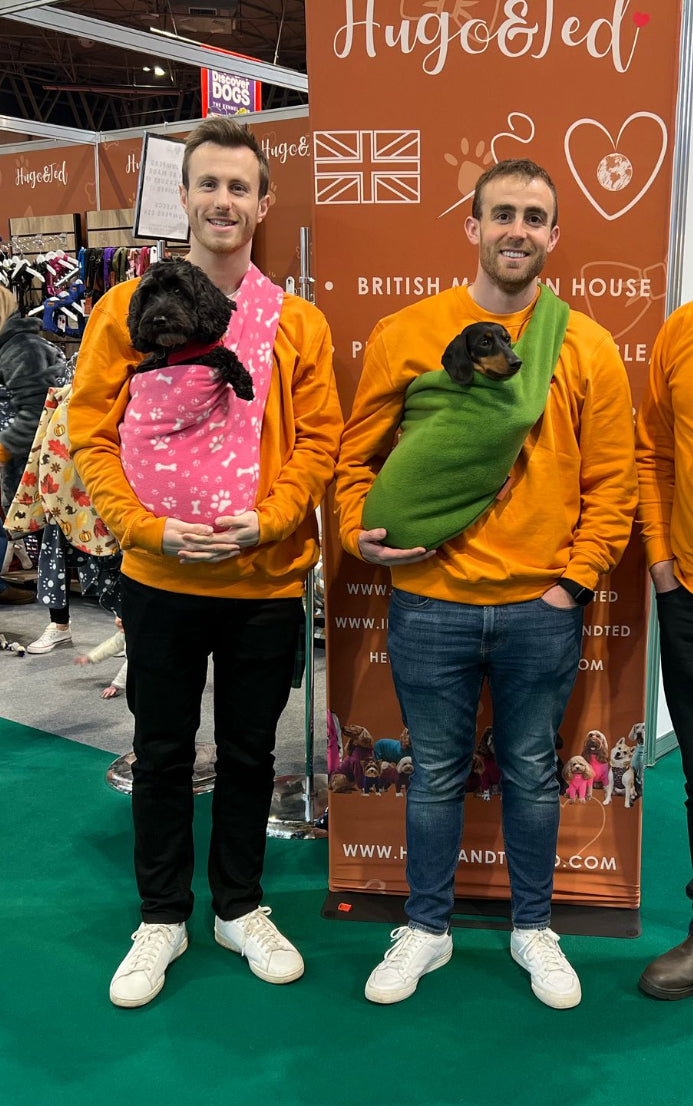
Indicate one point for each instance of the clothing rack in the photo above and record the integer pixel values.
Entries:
(39, 265)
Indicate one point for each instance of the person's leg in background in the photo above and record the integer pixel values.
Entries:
(670, 976)
(436, 653)
(10, 474)
(53, 591)
(255, 644)
(534, 662)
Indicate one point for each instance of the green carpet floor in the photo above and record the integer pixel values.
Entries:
(217, 1036)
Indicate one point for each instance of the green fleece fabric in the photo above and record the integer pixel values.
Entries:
(459, 443)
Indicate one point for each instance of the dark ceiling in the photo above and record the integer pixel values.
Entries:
(61, 79)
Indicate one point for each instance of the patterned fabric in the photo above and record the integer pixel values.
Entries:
(98, 576)
(189, 446)
(51, 488)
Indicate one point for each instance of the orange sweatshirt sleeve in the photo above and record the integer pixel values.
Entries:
(655, 448)
(100, 395)
(367, 437)
(608, 478)
(313, 422)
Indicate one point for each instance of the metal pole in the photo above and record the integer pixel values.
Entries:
(283, 822)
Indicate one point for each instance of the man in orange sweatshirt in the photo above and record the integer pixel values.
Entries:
(663, 451)
(503, 600)
(227, 581)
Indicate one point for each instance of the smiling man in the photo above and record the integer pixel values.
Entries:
(503, 600)
(227, 583)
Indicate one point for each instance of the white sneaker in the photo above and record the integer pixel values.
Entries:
(553, 979)
(270, 956)
(413, 954)
(142, 973)
(53, 635)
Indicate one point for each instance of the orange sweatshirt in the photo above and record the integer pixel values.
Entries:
(664, 448)
(298, 448)
(570, 509)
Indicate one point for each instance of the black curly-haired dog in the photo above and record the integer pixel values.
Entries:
(483, 346)
(176, 304)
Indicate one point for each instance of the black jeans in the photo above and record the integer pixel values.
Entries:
(675, 613)
(169, 639)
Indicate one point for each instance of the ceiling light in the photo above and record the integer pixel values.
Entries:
(159, 72)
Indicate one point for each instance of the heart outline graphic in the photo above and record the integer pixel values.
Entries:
(601, 127)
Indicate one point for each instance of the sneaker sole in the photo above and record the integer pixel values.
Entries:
(47, 648)
(384, 998)
(131, 1003)
(659, 992)
(550, 998)
(258, 971)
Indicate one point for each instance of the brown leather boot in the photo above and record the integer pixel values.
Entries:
(670, 976)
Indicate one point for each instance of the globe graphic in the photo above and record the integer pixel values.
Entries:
(614, 172)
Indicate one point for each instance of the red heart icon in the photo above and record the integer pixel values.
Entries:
(641, 19)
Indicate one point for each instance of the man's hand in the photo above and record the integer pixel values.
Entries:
(372, 550)
(663, 577)
(557, 596)
(193, 542)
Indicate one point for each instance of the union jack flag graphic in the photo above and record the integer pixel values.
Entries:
(367, 167)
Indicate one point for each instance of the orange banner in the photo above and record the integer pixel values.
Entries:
(410, 101)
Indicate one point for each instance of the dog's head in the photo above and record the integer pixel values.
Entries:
(486, 748)
(174, 303)
(371, 769)
(355, 737)
(637, 733)
(596, 745)
(577, 766)
(621, 754)
(405, 766)
(483, 346)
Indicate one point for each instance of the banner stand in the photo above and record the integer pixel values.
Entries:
(296, 798)
(582, 921)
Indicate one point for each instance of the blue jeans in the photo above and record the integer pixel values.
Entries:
(440, 653)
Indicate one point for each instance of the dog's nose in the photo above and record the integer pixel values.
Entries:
(159, 320)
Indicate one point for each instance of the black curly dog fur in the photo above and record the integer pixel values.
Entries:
(483, 346)
(176, 303)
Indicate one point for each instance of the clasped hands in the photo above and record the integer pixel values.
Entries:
(192, 542)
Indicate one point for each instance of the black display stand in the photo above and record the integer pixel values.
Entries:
(582, 921)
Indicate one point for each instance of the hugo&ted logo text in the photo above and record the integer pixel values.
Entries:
(528, 27)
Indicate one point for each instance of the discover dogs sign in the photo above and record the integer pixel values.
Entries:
(437, 92)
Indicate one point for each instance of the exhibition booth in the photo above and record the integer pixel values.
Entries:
(409, 103)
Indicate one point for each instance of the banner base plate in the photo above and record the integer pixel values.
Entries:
(582, 921)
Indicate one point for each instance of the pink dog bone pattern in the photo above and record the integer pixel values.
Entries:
(190, 447)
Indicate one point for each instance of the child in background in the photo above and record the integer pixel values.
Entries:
(112, 647)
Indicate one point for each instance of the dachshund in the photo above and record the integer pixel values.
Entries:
(482, 346)
(176, 304)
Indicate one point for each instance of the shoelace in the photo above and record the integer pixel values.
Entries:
(262, 930)
(407, 944)
(544, 945)
(147, 947)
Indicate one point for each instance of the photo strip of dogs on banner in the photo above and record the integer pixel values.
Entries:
(410, 102)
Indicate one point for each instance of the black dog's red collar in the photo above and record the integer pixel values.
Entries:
(190, 352)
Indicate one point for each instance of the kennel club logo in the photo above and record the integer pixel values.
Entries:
(367, 167)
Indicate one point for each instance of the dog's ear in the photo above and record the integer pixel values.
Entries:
(457, 361)
(213, 307)
(134, 320)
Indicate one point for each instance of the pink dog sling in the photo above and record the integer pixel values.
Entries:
(190, 448)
